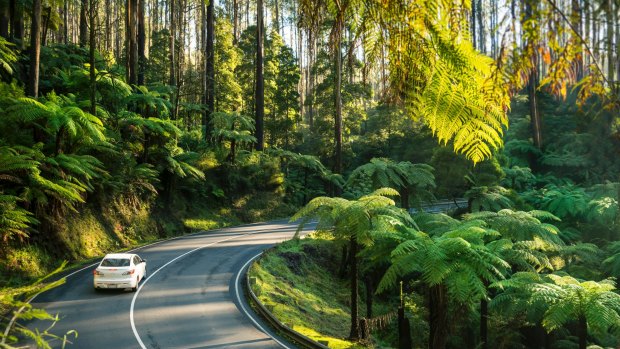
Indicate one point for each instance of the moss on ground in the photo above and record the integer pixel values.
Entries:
(296, 281)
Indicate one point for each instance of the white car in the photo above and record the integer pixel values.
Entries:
(119, 271)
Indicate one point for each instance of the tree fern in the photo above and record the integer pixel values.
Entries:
(7, 56)
(15, 222)
(488, 198)
(595, 302)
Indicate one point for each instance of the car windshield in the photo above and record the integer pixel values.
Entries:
(115, 262)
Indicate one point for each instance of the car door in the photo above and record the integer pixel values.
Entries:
(140, 266)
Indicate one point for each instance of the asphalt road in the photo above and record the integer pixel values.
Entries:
(191, 298)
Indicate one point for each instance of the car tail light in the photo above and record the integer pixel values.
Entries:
(97, 272)
(130, 272)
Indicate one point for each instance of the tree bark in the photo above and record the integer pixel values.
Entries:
(35, 49)
(132, 42)
(609, 8)
(438, 313)
(354, 335)
(93, 77)
(235, 21)
(5, 17)
(369, 298)
(260, 83)
(141, 42)
(108, 25)
(582, 332)
(16, 10)
(65, 27)
(210, 70)
(484, 324)
(576, 22)
(45, 25)
(83, 23)
(173, 79)
(338, 96)
(535, 119)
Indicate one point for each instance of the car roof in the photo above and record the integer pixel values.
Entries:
(119, 255)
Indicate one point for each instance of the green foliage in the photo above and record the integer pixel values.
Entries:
(151, 104)
(456, 259)
(12, 302)
(227, 59)
(571, 299)
(353, 218)
(493, 198)
(611, 264)
(566, 201)
(14, 220)
(7, 57)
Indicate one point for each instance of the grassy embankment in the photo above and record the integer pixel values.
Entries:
(95, 230)
(298, 282)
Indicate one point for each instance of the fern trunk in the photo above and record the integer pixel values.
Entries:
(484, 325)
(438, 322)
(582, 332)
(355, 328)
(369, 292)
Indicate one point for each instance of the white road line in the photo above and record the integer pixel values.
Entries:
(135, 296)
(247, 313)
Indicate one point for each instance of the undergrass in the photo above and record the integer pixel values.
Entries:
(295, 281)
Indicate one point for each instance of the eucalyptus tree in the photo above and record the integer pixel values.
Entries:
(354, 221)
(35, 49)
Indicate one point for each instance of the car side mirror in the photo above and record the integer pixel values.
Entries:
(144, 260)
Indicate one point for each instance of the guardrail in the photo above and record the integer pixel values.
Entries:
(442, 206)
(295, 336)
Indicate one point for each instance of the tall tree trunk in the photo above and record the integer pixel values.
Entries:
(35, 49)
(173, 79)
(65, 14)
(481, 34)
(93, 77)
(210, 70)
(609, 16)
(108, 25)
(576, 22)
(141, 42)
(5, 17)
(310, 80)
(46, 20)
(83, 23)
(338, 94)
(472, 24)
(132, 42)
(16, 9)
(617, 43)
(354, 335)
(235, 21)
(276, 11)
(260, 83)
(535, 118)
(586, 29)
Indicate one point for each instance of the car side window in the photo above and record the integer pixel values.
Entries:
(136, 260)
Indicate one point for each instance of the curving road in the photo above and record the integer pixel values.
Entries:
(192, 297)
